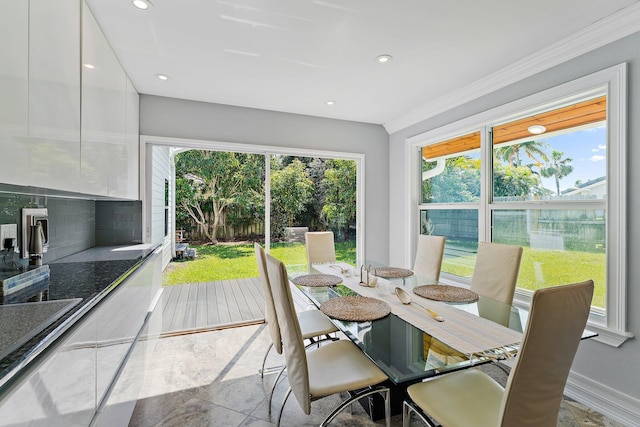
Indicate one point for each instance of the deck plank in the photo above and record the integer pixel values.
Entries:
(212, 305)
(213, 314)
(242, 300)
(222, 303)
(254, 297)
(233, 301)
(192, 306)
(201, 306)
(170, 297)
(177, 323)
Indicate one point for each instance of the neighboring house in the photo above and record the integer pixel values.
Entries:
(594, 188)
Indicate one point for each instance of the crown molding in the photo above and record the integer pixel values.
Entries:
(614, 27)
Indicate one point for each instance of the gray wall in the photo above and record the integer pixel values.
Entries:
(169, 117)
(598, 363)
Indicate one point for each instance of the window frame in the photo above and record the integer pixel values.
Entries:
(610, 324)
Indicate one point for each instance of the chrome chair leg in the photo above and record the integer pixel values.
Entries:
(383, 391)
(408, 408)
(282, 407)
(273, 387)
(264, 360)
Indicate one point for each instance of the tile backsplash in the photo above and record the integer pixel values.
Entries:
(76, 224)
(118, 223)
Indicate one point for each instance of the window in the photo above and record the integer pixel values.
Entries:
(546, 173)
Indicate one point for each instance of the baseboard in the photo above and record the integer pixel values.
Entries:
(613, 404)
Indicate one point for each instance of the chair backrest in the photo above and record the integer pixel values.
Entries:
(429, 257)
(534, 389)
(496, 271)
(320, 247)
(294, 351)
(272, 318)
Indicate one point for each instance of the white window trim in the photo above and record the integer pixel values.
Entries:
(611, 326)
(359, 158)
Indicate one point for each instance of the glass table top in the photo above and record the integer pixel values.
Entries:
(404, 352)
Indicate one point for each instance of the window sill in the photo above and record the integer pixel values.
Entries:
(609, 336)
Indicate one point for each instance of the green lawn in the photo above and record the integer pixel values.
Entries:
(232, 261)
(538, 268)
(548, 268)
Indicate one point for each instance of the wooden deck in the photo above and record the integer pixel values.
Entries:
(211, 305)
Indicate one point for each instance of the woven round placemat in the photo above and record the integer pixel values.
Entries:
(355, 308)
(445, 293)
(315, 280)
(391, 272)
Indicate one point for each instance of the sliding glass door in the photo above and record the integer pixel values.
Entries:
(312, 194)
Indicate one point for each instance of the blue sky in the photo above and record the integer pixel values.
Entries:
(587, 148)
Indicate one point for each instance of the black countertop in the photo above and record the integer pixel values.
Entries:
(85, 278)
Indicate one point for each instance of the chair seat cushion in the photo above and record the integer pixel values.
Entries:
(463, 398)
(314, 323)
(340, 366)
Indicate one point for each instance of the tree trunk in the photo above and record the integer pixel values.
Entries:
(199, 218)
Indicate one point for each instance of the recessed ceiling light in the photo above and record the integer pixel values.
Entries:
(537, 129)
(89, 66)
(163, 77)
(142, 4)
(384, 58)
(331, 102)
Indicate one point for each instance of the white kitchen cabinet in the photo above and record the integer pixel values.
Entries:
(14, 87)
(54, 94)
(74, 383)
(121, 318)
(61, 391)
(104, 99)
(124, 179)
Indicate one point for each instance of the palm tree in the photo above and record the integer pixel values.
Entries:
(558, 168)
(532, 149)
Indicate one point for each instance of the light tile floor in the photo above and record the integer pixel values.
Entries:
(211, 379)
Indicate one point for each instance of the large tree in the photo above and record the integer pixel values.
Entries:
(291, 190)
(519, 182)
(534, 150)
(339, 184)
(215, 180)
(557, 168)
(458, 182)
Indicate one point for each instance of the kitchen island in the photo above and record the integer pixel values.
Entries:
(105, 296)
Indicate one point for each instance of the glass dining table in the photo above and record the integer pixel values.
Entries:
(403, 351)
(406, 353)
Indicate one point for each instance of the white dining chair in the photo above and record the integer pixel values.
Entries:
(496, 271)
(336, 367)
(534, 389)
(315, 325)
(320, 247)
(429, 255)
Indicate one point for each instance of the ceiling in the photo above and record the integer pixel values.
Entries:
(295, 55)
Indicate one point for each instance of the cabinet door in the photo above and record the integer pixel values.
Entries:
(120, 319)
(104, 98)
(123, 182)
(14, 80)
(54, 94)
(61, 391)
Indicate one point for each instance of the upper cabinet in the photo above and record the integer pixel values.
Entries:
(14, 90)
(104, 100)
(54, 94)
(68, 112)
